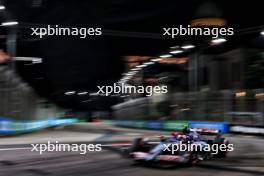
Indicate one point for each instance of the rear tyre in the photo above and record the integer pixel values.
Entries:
(193, 159)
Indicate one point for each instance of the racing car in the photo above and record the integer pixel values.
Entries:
(143, 150)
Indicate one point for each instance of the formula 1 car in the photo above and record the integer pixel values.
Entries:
(142, 151)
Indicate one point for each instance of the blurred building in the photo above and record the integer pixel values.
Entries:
(219, 86)
(19, 101)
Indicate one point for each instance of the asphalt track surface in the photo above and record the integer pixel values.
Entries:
(247, 159)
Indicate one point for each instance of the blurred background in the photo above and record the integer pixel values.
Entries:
(52, 81)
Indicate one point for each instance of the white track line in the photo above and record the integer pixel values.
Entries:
(8, 149)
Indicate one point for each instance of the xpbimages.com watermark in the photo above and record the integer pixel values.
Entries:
(61, 147)
(197, 31)
(197, 147)
(65, 31)
(129, 89)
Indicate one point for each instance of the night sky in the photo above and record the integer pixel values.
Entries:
(70, 63)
